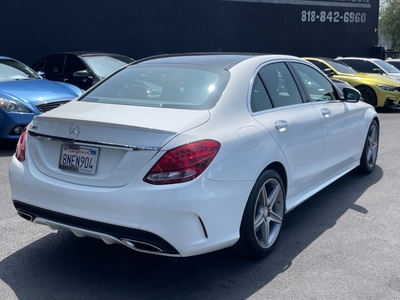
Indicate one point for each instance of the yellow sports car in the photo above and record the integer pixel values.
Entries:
(377, 90)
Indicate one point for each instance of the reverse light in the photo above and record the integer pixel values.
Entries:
(20, 150)
(183, 163)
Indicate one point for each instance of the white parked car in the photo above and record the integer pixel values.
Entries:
(394, 62)
(188, 154)
(371, 65)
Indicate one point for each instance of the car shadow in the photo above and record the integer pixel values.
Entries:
(7, 148)
(61, 266)
(385, 110)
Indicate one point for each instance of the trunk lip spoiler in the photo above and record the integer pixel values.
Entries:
(91, 143)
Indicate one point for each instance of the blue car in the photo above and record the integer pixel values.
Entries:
(24, 94)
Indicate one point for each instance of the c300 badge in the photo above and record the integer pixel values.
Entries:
(74, 130)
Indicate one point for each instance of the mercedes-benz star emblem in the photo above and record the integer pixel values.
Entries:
(74, 130)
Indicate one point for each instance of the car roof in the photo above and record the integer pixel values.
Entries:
(6, 57)
(85, 53)
(217, 59)
(82, 54)
(327, 60)
(319, 58)
(359, 58)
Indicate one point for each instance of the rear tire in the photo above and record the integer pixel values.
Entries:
(370, 151)
(263, 216)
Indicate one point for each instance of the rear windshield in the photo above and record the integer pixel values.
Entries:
(341, 67)
(172, 86)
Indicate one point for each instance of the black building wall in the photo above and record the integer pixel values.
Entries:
(31, 29)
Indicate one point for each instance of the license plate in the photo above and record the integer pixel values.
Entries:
(78, 158)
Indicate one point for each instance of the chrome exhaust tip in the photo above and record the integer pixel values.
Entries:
(141, 246)
(26, 216)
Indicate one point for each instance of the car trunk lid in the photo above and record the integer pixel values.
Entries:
(104, 144)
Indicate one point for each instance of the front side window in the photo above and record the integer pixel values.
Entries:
(54, 65)
(72, 65)
(280, 85)
(316, 85)
(163, 85)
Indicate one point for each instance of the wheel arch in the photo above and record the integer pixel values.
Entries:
(369, 152)
(280, 169)
(247, 244)
(372, 118)
(377, 121)
(367, 87)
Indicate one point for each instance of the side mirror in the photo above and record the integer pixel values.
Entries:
(83, 76)
(328, 72)
(351, 95)
(377, 70)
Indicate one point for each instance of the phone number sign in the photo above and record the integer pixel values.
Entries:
(327, 11)
(332, 3)
(333, 16)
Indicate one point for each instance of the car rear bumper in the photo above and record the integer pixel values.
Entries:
(138, 240)
(187, 219)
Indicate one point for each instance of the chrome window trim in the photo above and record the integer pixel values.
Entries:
(95, 144)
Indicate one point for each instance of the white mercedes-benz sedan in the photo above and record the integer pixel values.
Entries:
(180, 155)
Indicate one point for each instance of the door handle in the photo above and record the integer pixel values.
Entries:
(281, 125)
(326, 112)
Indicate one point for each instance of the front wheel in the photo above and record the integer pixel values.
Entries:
(263, 216)
(370, 151)
(368, 95)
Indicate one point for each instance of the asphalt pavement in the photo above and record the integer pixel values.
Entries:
(343, 243)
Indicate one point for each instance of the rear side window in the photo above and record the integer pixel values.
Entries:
(259, 98)
(280, 85)
(173, 86)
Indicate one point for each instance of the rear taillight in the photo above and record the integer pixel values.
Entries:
(183, 163)
(20, 151)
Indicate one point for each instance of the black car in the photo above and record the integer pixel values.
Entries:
(83, 69)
